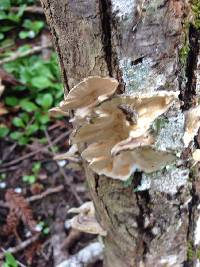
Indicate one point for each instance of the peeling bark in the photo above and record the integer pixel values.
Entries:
(137, 42)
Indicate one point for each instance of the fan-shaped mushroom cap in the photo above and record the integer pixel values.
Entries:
(57, 111)
(118, 139)
(196, 155)
(192, 124)
(131, 143)
(121, 166)
(105, 126)
(89, 92)
(69, 155)
(86, 221)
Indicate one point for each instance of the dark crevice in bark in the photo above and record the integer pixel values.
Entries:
(188, 92)
(187, 95)
(56, 43)
(191, 225)
(145, 236)
(96, 177)
(105, 15)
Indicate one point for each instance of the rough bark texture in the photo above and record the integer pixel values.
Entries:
(138, 43)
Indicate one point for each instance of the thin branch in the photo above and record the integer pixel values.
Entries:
(71, 187)
(29, 9)
(21, 246)
(31, 154)
(19, 54)
(44, 194)
(49, 191)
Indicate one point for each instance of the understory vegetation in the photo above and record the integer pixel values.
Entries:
(35, 189)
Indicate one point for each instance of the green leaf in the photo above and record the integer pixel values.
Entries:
(11, 101)
(36, 167)
(43, 127)
(21, 10)
(4, 4)
(29, 179)
(5, 28)
(3, 131)
(1, 36)
(46, 231)
(2, 176)
(16, 135)
(31, 129)
(26, 34)
(45, 100)
(34, 26)
(23, 140)
(18, 122)
(40, 82)
(28, 105)
(10, 260)
(2, 15)
(25, 117)
(44, 119)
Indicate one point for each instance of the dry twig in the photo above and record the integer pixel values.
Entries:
(21, 246)
(18, 54)
(71, 187)
(49, 191)
(31, 154)
(29, 9)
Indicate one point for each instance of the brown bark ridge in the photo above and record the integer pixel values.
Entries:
(154, 221)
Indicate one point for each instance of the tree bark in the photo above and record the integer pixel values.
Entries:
(154, 221)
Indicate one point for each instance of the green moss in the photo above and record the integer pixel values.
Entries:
(183, 53)
(196, 13)
(198, 254)
(159, 123)
(190, 251)
(128, 182)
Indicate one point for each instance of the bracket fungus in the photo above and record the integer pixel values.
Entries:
(192, 124)
(86, 221)
(88, 93)
(57, 111)
(196, 155)
(116, 130)
(117, 145)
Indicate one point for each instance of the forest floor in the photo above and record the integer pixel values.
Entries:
(35, 189)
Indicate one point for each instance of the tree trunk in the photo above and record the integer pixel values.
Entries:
(147, 46)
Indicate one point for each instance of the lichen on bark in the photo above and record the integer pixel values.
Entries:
(147, 228)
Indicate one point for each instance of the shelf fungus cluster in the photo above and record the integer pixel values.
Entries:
(85, 220)
(115, 129)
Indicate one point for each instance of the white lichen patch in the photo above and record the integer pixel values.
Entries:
(123, 7)
(168, 180)
(179, 224)
(169, 260)
(171, 134)
(153, 5)
(141, 77)
(197, 232)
